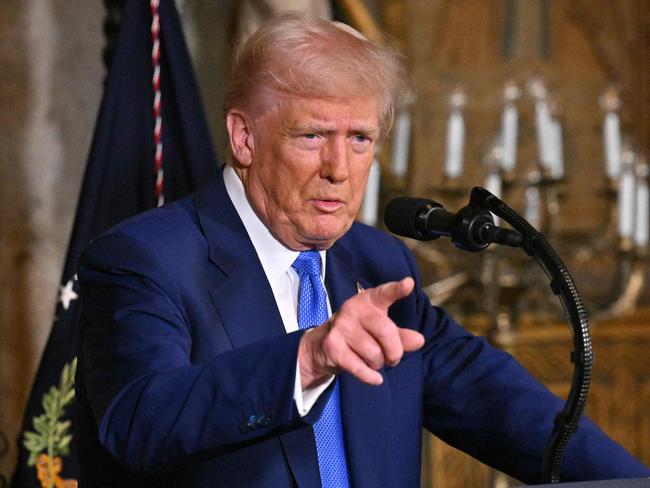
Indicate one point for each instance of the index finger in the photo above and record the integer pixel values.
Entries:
(388, 293)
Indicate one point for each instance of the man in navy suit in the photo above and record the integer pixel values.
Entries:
(196, 368)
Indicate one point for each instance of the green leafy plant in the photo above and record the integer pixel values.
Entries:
(51, 433)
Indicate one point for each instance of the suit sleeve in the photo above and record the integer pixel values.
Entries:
(154, 407)
(481, 400)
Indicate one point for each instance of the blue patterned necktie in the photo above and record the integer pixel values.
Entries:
(312, 310)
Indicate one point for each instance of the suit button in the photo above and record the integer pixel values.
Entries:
(253, 422)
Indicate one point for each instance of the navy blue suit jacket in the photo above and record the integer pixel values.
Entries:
(186, 374)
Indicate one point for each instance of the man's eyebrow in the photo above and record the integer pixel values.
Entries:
(312, 127)
(366, 129)
(324, 127)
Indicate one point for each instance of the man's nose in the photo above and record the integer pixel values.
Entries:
(335, 159)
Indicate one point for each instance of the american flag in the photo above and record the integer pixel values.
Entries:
(123, 174)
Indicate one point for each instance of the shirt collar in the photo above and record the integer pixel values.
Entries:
(275, 257)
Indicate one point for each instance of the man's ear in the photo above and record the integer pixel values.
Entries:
(240, 134)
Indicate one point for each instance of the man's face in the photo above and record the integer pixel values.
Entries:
(309, 165)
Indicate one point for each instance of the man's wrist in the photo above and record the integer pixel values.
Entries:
(306, 398)
(310, 375)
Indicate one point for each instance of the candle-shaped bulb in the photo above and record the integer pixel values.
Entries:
(511, 92)
(543, 124)
(642, 204)
(610, 102)
(537, 88)
(458, 99)
(626, 196)
(509, 126)
(557, 161)
(370, 204)
(401, 143)
(455, 135)
(533, 207)
(493, 180)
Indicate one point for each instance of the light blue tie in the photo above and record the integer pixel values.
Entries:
(312, 310)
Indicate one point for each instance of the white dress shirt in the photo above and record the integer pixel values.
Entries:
(276, 260)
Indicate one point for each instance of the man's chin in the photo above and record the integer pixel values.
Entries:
(323, 238)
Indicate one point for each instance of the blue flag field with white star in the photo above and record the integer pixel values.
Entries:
(119, 182)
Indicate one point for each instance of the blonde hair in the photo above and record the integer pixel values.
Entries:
(315, 57)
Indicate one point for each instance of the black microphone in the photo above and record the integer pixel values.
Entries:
(471, 229)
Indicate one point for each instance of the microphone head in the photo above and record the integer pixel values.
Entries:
(402, 216)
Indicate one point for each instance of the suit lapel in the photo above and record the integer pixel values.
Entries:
(242, 284)
(365, 409)
(242, 287)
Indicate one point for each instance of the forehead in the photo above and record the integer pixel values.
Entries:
(359, 113)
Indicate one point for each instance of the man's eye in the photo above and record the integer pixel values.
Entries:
(309, 136)
(360, 138)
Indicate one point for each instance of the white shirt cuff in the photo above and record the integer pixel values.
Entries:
(306, 398)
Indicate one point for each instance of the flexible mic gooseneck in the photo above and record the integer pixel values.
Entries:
(471, 229)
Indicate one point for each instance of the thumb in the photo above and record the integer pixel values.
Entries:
(411, 339)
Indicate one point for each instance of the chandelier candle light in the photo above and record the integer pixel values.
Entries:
(626, 197)
(455, 135)
(533, 206)
(493, 180)
(642, 205)
(543, 124)
(509, 126)
(610, 102)
(556, 169)
(401, 143)
(370, 204)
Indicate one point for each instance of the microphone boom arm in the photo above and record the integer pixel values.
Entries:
(535, 244)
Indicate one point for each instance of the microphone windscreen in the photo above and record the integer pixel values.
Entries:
(401, 216)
